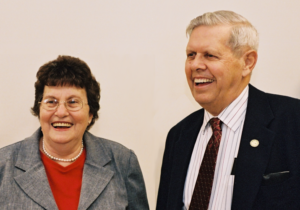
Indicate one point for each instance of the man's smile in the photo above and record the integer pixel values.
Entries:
(199, 81)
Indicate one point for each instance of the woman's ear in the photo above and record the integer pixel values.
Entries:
(249, 59)
(90, 118)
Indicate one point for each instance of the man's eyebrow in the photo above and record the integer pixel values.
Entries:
(214, 51)
(189, 50)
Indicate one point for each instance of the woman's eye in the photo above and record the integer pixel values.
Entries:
(50, 101)
(73, 101)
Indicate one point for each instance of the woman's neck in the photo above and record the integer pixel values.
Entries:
(66, 152)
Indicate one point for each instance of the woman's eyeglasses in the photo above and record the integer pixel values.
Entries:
(72, 104)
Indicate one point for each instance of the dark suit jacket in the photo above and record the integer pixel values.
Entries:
(274, 121)
(111, 179)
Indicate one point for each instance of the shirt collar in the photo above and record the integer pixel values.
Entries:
(233, 114)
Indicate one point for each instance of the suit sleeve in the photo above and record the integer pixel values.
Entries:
(136, 190)
(163, 191)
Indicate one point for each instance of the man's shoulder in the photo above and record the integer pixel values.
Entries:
(277, 102)
(193, 119)
(287, 100)
(281, 108)
(285, 107)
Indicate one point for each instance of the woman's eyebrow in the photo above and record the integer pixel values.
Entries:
(52, 96)
(48, 96)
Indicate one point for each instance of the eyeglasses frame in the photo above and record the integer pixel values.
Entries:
(63, 102)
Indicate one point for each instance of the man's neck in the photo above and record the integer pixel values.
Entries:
(216, 108)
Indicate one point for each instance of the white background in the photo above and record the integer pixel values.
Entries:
(136, 50)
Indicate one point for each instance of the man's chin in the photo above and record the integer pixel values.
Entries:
(202, 99)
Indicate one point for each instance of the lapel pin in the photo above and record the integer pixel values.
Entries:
(254, 143)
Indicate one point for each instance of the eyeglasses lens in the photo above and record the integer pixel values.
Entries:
(72, 104)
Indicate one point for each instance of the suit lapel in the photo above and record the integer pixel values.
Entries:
(95, 175)
(252, 161)
(33, 179)
(182, 153)
(35, 184)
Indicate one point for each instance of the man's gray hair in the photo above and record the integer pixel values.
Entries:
(243, 34)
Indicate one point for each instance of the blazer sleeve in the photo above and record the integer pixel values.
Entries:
(163, 192)
(136, 190)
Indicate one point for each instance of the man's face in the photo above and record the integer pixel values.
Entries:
(214, 74)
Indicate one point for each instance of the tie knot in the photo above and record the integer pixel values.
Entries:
(215, 124)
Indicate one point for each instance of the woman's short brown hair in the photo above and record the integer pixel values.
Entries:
(67, 71)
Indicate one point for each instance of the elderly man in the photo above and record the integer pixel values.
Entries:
(242, 150)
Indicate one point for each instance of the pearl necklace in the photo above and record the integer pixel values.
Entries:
(60, 159)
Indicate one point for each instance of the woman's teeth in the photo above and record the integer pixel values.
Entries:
(62, 125)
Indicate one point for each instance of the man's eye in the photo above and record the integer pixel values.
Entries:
(210, 55)
(190, 54)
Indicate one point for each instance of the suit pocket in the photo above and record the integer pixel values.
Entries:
(284, 195)
(275, 178)
(274, 188)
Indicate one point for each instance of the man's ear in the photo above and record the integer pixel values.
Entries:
(250, 59)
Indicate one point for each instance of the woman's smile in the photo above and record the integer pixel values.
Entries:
(60, 125)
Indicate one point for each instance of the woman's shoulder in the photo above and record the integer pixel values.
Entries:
(103, 147)
(108, 144)
(10, 151)
(8, 159)
(26, 146)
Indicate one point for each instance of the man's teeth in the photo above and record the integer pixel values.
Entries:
(62, 125)
(203, 80)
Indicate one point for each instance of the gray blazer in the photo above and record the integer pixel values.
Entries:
(112, 178)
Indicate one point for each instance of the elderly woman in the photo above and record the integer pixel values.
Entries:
(63, 166)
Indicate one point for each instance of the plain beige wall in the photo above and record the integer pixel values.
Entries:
(136, 50)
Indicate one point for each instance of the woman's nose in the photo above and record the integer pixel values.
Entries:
(61, 110)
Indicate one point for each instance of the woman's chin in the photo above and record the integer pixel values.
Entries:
(60, 139)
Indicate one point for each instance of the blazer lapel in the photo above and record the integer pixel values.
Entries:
(182, 154)
(32, 178)
(95, 175)
(252, 161)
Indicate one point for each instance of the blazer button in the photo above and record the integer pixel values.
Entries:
(254, 143)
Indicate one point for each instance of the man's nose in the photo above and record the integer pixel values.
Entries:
(61, 110)
(198, 63)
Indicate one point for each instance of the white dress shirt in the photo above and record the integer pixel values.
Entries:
(233, 118)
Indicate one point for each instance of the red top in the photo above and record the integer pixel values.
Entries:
(65, 182)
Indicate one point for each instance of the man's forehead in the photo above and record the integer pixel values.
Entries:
(208, 36)
(208, 31)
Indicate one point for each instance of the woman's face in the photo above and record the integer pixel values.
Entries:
(61, 125)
